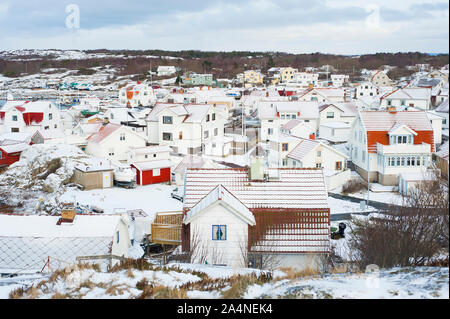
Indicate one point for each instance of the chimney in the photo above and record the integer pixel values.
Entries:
(267, 94)
(392, 110)
(312, 136)
(67, 216)
(256, 171)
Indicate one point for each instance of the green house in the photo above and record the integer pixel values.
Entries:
(199, 79)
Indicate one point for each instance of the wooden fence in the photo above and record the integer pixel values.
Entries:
(166, 230)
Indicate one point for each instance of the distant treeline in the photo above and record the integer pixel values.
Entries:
(223, 64)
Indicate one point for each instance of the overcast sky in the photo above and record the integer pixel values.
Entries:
(297, 26)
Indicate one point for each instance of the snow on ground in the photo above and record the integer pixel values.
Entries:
(339, 206)
(402, 283)
(217, 272)
(151, 199)
(414, 282)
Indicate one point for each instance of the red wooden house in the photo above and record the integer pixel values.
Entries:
(153, 172)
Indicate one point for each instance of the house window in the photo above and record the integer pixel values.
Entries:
(338, 166)
(207, 118)
(111, 152)
(122, 136)
(14, 118)
(216, 131)
(180, 135)
(56, 126)
(146, 156)
(285, 147)
(319, 165)
(157, 172)
(294, 116)
(46, 128)
(214, 116)
(270, 131)
(14, 130)
(219, 232)
(117, 237)
(285, 162)
(167, 136)
(167, 120)
(330, 115)
(50, 116)
(319, 153)
(206, 134)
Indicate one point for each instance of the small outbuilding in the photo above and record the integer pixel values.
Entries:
(95, 174)
(153, 172)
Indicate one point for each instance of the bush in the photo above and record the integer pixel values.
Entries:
(354, 186)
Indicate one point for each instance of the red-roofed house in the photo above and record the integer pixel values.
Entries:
(385, 144)
(114, 142)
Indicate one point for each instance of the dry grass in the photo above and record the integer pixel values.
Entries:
(239, 284)
(293, 274)
(115, 290)
(130, 273)
(163, 292)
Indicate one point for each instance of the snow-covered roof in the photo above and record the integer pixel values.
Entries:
(220, 193)
(145, 166)
(295, 188)
(307, 110)
(443, 107)
(153, 149)
(94, 164)
(302, 149)
(14, 148)
(292, 124)
(16, 137)
(46, 226)
(190, 161)
(336, 125)
(384, 121)
(103, 132)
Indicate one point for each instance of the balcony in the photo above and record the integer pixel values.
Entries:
(403, 149)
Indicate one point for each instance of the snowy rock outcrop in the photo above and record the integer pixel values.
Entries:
(43, 167)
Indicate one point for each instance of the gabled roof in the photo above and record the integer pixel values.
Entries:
(443, 107)
(294, 188)
(399, 125)
(220, 193)
(104, 132)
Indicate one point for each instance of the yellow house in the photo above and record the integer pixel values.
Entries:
(253, 77)
(287, 74)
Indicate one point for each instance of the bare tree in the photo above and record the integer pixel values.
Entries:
(410, 235)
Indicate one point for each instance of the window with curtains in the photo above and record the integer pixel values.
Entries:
(219, 232)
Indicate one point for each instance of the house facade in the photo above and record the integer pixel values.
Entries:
(113, 141)
(385, 144)
(137, 95)
(185, 128)
(29, 117)
(380, 78)
(274, 115)
(237, 217)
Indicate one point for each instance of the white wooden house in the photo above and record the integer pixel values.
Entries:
(113, 141)
(235, 217)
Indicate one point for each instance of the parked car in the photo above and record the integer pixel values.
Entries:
(178, 193)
